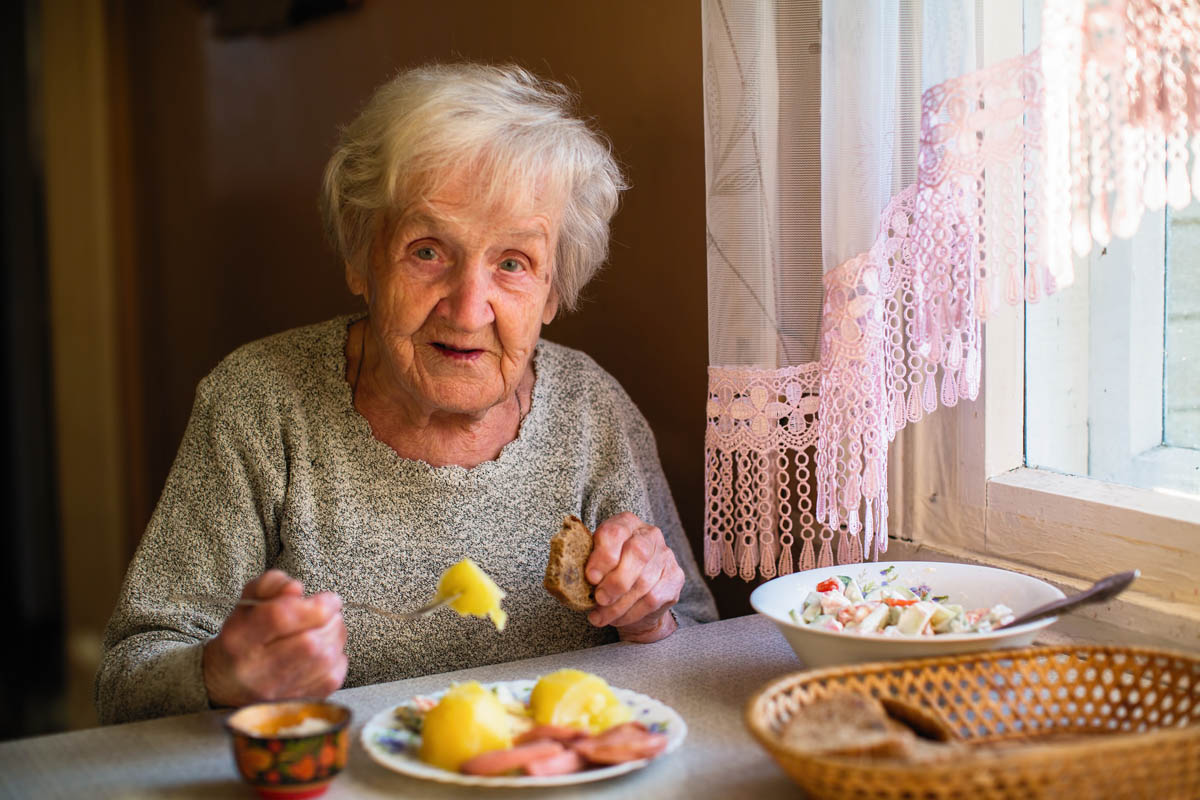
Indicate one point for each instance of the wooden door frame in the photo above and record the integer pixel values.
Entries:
(89, 263)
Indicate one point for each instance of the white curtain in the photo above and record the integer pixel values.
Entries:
(953, 176)
(761, 64)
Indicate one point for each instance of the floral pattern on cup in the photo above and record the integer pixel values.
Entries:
(272, 761)
(290, 761)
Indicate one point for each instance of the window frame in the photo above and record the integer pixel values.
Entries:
(961, 490)
(1099, 387)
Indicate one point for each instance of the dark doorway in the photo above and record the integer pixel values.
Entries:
(31, 689)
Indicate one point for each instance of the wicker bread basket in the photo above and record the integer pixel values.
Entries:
(1100, 722)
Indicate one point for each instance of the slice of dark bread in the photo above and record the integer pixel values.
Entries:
(924, 723)
(569, 552)
(846, 724)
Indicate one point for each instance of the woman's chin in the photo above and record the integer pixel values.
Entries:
(465, 400)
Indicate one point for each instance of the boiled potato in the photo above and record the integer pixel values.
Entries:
(467, 721)
(478, 595)
(576, 699)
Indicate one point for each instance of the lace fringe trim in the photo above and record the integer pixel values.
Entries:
(759, 446)
(1108, 108)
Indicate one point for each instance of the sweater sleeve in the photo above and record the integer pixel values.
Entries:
(629, 477)
(214, 530)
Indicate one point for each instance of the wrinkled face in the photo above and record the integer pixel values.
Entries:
(457, 293)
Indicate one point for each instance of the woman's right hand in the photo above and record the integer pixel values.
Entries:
(289, 646)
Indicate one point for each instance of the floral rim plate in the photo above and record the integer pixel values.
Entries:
(395, 747)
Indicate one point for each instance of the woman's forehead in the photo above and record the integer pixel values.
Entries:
(533, 227)
(522, 210)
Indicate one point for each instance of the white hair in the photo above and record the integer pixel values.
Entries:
(515, 132)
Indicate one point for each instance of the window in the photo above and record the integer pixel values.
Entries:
(964, 487)
(1181, 423)
(1111, 364)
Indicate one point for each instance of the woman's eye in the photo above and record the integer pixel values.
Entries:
(426, 253)
(511, 265)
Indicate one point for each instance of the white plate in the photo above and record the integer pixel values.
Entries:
(966, 584)
(393, 746)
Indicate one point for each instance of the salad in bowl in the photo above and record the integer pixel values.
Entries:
(881, 604)
(883, 611)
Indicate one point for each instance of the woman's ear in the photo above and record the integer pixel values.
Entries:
(551, 307)
(356, 280)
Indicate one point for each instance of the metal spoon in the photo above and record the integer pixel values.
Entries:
(399, 616)
(1103, 589)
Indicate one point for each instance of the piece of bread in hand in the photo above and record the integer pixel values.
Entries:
(569, 552)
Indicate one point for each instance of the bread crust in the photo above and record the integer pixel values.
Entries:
(569, 552)
(845, 724)
(853, 725)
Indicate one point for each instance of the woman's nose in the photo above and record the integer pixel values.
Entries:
(468, 302)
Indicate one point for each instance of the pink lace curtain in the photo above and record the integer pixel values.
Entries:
(882, 176)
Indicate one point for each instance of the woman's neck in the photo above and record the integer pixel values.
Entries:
(437, 438)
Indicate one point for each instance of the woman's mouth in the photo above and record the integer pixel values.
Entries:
(457, 353)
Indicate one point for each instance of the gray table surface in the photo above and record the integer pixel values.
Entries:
(707, 673)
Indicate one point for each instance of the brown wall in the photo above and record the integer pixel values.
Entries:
(226, 139)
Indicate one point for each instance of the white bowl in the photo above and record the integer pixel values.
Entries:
(965, 584)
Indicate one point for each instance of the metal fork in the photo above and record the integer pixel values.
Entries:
(398, 616)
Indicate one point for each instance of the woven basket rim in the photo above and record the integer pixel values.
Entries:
(970, 760)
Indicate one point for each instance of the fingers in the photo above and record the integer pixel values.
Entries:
(640, 599)
(283, 616)
(657, 599)
(638, 554)
(608, 540)
(290, 615)
(272, 583)
(289, 646)
(312, 663)
(639, 578)
(238, 670)
(638, 609)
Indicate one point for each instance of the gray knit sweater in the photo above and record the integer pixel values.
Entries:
(277, 469)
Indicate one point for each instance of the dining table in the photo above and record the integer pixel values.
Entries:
(707, 673)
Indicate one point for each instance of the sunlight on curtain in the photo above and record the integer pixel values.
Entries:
(950, 184)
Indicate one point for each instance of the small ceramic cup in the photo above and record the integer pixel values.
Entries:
(290, 749)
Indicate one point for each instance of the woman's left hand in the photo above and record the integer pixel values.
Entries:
(637, 579)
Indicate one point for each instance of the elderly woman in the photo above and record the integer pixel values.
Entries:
(360, 457)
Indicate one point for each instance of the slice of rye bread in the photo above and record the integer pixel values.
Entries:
(846, 724)
(923, 722)
(569, 552)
